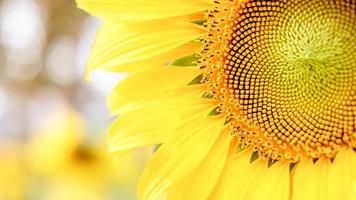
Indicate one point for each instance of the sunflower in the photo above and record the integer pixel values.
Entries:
(247, 99)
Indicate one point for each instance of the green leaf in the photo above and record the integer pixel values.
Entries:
(197, 80)
(190, 60)
(254, 156)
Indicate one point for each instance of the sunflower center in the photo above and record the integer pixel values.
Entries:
(285, 72)
(84, 155)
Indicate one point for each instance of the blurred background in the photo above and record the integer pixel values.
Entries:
(52, 122)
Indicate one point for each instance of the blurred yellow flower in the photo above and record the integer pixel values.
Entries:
(248, 99)
(73, 166)
(53, 146)
(13, 177)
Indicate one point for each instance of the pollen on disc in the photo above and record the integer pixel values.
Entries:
(290, 69)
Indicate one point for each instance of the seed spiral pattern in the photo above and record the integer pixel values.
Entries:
(285, 73)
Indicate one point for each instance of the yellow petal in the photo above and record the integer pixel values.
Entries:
(326, 180)
(118, 44)
(274, 183)
(149, 84)
(193, 92)
(341, 182)
(199, 183)
(242, 180)
(173, 161)
(156, 122)
(143, 9)
(159, 60)
(310, 180)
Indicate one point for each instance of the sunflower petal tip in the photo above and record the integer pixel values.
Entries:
(88, 74)
(87, 78)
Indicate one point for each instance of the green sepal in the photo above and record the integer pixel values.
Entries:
(332, 160)
(227, 121)
(292, 166)
(214, 112)
(254, 156)
(197, 41)
(190, 60)
(240, 148)
(271, 162)
(200, 22)
(156, 147)
(207, 95)
(197, 80)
